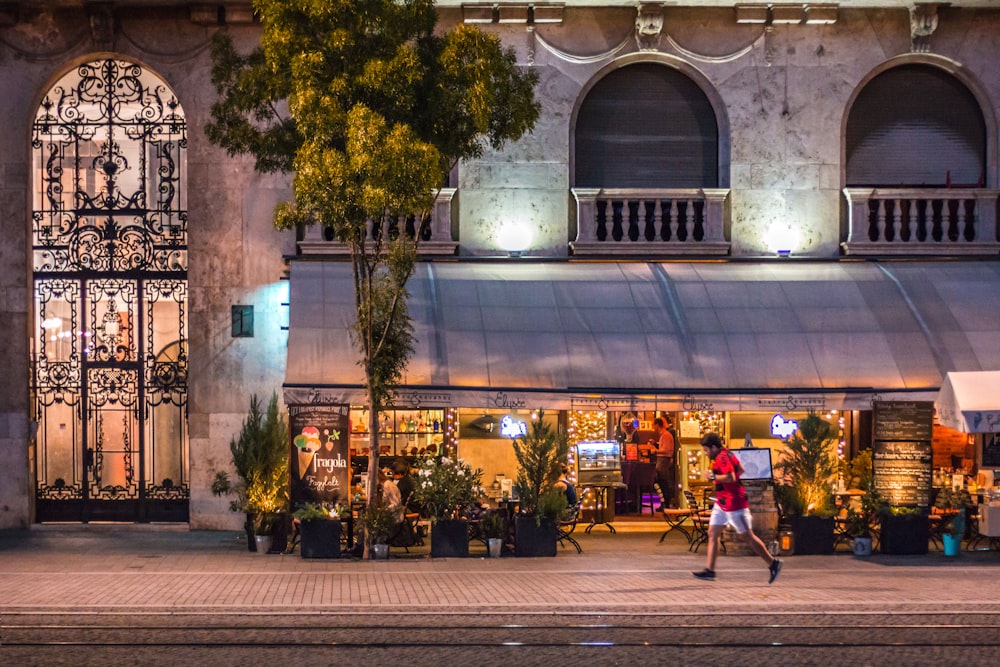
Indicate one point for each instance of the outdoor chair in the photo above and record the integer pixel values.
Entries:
(675, 518)
(699, 523)
(566, 526)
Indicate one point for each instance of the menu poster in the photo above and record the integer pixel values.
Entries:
(319, 467)
(904, 420)
(903, 472)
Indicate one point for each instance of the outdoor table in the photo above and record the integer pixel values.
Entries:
(603, 514)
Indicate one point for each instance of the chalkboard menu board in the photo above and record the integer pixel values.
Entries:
(903, 472)
(904, 420)
(902, 460)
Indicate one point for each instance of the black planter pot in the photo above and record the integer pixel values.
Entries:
(450, 538)
(813, 534)
(904, 534)
(248, 527)
(534, 539)
(320, 538)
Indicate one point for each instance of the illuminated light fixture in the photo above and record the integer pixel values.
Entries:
(821, 14)
(514, 237)
(782, 240)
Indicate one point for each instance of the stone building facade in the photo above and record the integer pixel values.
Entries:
(669, 132)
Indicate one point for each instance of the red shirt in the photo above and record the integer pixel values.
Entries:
(729, 496)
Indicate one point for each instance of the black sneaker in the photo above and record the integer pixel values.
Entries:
(705, 574)
(775, 569)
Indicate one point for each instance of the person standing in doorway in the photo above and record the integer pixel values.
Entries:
(666, 448)
(731, 508)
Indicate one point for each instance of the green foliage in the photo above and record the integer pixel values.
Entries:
(379, 522)
(260, 458)
(861, 522)
(446, 487)
(493, 526)
(857, 472)
(958, 501)
(552, 504)
(538, 454)
(311, 511)
(808, 467)
(370, 106)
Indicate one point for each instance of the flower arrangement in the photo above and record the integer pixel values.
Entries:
(311, 511)
(446, 487)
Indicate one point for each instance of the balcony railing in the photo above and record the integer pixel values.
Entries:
(921, 221)
(434, 231)
(650, 222)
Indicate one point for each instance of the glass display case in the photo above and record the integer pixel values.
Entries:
(598, 463)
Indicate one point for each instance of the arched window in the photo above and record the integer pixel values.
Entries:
(646, 126)
(915, 126)
(109, 255)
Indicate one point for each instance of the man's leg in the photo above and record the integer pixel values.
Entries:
(757, 546)
(714, 535)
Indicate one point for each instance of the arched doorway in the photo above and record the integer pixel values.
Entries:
(109, 262)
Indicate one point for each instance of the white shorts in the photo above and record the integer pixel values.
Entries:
(740, 520)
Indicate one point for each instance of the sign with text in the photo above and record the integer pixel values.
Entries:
(903, 471)
(319, 467)
(904, 420)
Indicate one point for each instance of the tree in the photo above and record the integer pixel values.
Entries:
(370, 108)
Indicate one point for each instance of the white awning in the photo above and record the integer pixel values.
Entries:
(970, 402)
(660, 335)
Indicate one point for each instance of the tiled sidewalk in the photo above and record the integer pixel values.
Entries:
(114, 570)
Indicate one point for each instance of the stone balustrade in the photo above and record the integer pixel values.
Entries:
(649, 222)
(921, 221)
(435, 232)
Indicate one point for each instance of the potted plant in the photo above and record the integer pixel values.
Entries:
(260, 458)
(539, 454)
(493, 528)
(953, 503)
(903, 530)
(860, 523)
(319, 531)
(806, 497)
(379, 523)
(446, 487)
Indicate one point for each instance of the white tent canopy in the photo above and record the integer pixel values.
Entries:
(970, 401)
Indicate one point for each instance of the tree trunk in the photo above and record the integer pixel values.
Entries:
(373, 491)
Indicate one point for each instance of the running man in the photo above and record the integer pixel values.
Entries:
(731, 507)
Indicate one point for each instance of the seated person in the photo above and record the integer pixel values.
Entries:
(390, 495)
(572, 500)
(406, 485)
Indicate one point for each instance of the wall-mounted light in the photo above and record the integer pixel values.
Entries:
(782, 240)
(514, 237)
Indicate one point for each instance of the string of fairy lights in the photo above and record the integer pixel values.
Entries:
(585, 426)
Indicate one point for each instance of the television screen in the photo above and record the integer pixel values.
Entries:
(756, 462)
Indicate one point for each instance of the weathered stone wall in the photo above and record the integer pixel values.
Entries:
(784, 95)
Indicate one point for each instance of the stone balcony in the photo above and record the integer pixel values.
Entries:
(435, 232)
(921, 221)
(650, 222)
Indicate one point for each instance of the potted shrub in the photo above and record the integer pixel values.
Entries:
(860, 523)
(808, 468)
(493, 528)
(953, 504)
(260, 458)
(319, 531)
(446, 488)
(539, 454)
(379, 523)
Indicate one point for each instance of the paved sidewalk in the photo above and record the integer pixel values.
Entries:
(105, 570)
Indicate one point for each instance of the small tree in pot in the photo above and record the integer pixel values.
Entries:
(446, 488)
(260, 458)
(808, 468)
(539, 454)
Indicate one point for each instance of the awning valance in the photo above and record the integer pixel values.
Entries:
(970, 402)
(662, 335)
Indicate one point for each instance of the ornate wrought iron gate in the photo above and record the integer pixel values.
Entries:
(109, 232)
